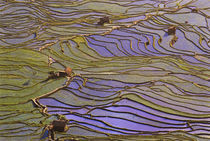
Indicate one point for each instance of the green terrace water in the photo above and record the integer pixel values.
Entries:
(132, 80)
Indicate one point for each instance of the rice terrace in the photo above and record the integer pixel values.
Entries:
(104, 70)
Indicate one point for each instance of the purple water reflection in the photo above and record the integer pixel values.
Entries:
(99, 49)
(54, 102)
(96, 124)
(144, 114)
(132, 19)
(136, 105)
(129, 125)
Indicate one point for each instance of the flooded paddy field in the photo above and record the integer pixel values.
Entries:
(104, 70)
